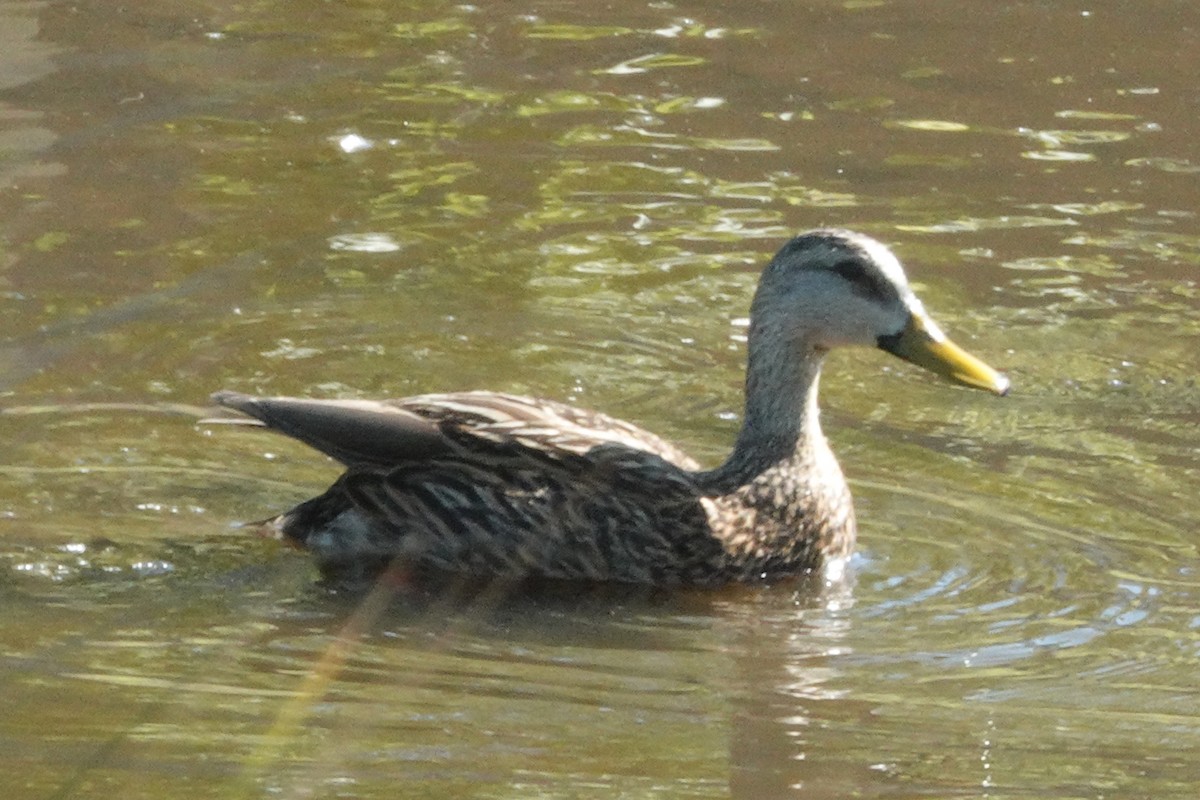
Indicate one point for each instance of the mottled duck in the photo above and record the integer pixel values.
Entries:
(496, 485)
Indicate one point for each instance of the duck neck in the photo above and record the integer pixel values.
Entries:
(780, 427)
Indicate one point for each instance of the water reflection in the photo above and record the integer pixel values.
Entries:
(771, 689)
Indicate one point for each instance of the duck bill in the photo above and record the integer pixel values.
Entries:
(921, 342)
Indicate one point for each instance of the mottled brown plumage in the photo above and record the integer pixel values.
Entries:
(490, 484)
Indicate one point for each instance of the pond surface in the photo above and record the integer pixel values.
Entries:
(572, 200)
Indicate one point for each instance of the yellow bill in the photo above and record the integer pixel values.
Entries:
(921, 342)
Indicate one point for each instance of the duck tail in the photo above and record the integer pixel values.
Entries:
(271, 528)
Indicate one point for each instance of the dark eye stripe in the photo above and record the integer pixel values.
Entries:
(866, 283)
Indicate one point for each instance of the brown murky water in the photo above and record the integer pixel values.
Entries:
(571, 199)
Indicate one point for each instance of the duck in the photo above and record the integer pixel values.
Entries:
(492, 485)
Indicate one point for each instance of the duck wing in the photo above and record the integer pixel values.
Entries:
(384, 434)
(492, 484)
(358, 433)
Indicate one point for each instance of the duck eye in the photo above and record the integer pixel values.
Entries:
(854, 272)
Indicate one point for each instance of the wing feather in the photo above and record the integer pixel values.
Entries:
(380, 434)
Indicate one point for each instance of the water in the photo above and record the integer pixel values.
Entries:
(572, 200)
